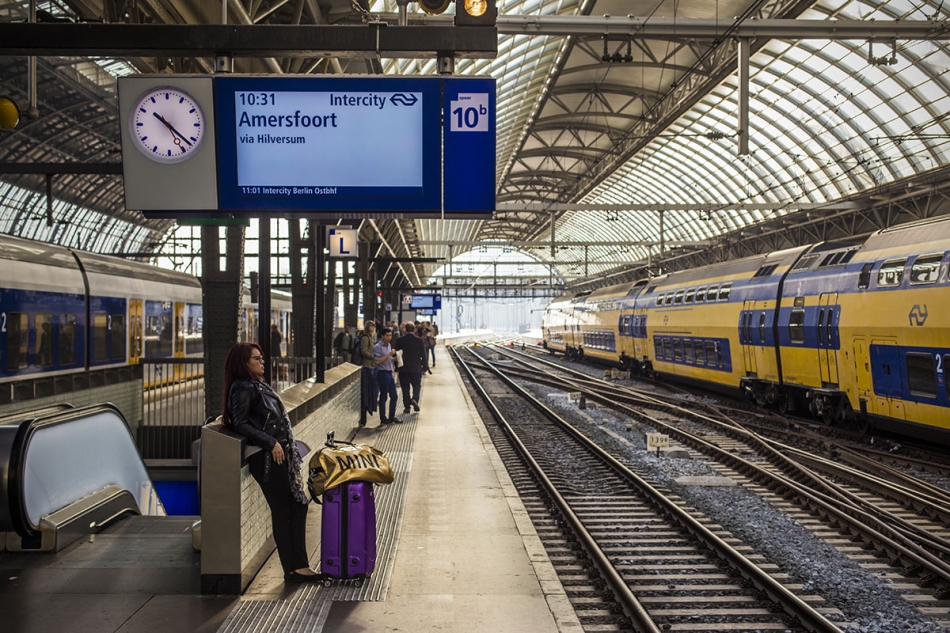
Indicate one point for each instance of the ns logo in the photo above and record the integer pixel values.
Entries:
(918, 315)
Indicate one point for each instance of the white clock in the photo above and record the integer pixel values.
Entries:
(167, 125)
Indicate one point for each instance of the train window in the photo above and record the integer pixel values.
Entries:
(689, 296)
(67, 339)
(118, 337)
(677, 349)
(657, 347)
(700, 294)
(925, 269)
(724, 292)
(743, 323)
(659, 300)
(44, 340)
(762, 327)
(921, 374)
(667, 349)
(821, 327)
(865, 279)
(688, 349)
(796, 326)
(891, 273)
(669, 298)
(158, 336)
(804, 263)
(678, 297)
(710, 353)
(700, 353)
(100, 325)
(17, 325)
(712, 293)
(848, 256)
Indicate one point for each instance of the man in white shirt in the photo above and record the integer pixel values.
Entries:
(383, 354)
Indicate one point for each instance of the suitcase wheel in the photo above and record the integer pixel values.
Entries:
(359, 582)
(327, 582)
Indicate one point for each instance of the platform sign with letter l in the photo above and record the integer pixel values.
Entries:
(468, 146)
(343, 242)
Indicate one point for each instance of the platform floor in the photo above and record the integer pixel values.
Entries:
(457, 553)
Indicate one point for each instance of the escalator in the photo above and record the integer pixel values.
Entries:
(66, 473)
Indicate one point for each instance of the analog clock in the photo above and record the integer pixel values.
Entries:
(476, 8)
(167, 125)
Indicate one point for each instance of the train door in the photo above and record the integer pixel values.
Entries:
(745, 337)
(828, 338)
(887, 377)
(136, 333)
(862, 370)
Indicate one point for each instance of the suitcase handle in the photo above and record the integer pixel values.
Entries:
(331, 441)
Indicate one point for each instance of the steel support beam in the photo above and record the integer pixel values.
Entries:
(368, 41)
(105, 169)
(623, 27)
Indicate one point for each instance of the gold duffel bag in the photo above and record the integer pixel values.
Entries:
(339, 462)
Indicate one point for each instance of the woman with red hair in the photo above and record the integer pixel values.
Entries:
(252, 409)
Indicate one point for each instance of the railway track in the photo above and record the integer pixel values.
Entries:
(892, 523)
(667, 570)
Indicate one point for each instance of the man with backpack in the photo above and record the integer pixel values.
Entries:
(343, 345)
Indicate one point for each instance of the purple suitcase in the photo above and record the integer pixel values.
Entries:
(348, 541)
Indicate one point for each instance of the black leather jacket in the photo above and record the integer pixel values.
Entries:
(257, 413)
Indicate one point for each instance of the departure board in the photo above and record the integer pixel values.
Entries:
(347, 144)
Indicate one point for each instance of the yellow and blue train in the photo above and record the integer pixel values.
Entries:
(848, 331)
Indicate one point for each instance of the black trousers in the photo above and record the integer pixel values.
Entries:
(406, 380)
(288, 516)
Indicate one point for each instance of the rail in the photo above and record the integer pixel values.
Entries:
(810, 619)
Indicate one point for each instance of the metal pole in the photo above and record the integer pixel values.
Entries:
(321, 352)
(744, 52)
(264, 298)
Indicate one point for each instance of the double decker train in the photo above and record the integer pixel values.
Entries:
(65, 311)
(849, 331)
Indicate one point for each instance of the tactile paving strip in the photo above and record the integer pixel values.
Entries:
(307, 608)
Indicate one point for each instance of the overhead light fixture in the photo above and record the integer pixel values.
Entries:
(9, 113)
(434, 7)
(475, 13)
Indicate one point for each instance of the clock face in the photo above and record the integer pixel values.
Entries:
(476, 8)
(167, 125)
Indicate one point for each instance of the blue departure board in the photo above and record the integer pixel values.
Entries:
(329, 144)
(312, 146)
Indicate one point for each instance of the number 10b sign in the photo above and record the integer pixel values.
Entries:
(469, 113)
(468, 146)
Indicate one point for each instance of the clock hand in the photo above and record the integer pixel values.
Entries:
(170, 127)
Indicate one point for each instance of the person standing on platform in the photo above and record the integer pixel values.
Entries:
(275, 339)
(252, 409)
(343, 345)
(413, 364)
(368, 389)
(428, 335)
(383, 355)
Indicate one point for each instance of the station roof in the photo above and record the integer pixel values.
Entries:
(608, 169)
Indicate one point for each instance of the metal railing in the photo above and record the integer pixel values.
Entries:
(173, 407)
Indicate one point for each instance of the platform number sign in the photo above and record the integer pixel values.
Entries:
(468, 126)
(343, 242)
(469, 113)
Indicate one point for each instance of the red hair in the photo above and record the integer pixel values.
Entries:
(235, 368)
